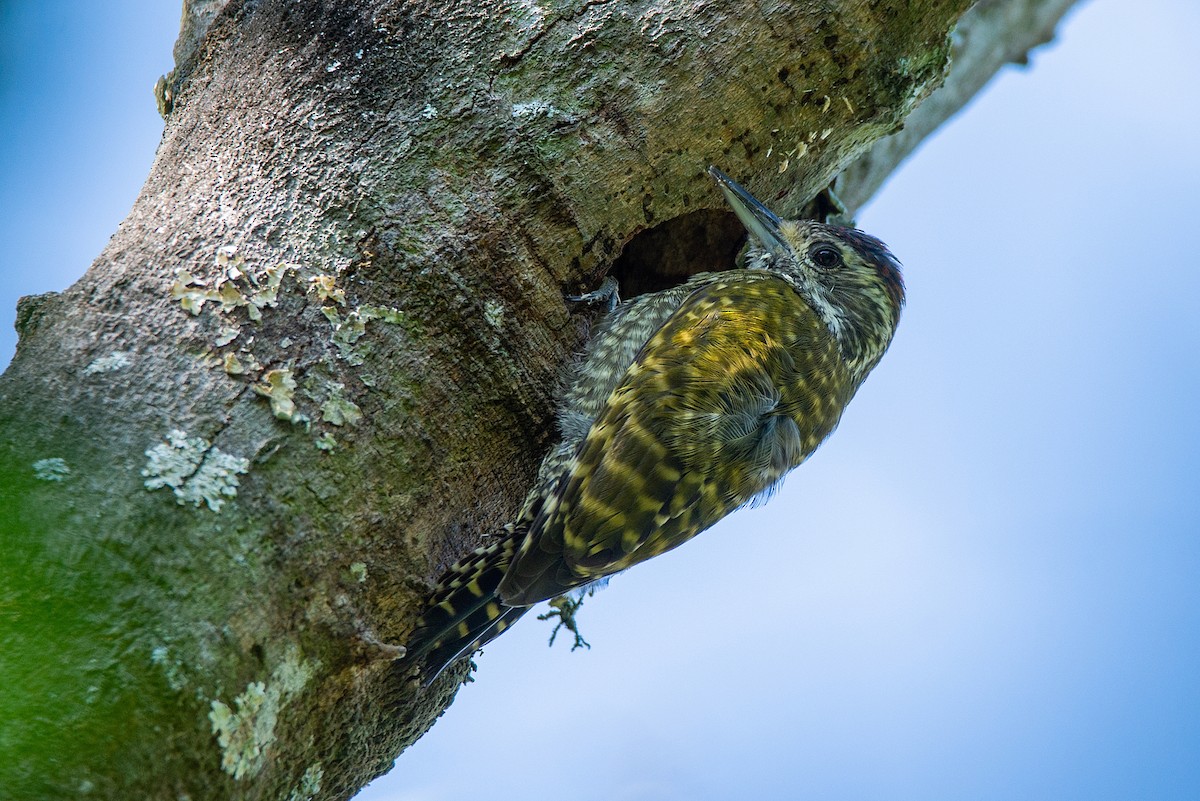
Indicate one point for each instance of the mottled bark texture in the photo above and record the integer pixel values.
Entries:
(317, 362)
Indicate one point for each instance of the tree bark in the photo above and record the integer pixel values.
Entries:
(317, 362)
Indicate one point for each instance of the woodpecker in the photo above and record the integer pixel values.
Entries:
(687, 404)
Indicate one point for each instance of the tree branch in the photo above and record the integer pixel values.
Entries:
(317, 362)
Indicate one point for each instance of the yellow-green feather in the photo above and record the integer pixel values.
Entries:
(738, 386)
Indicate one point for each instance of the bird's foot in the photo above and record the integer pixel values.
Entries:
(608, 292)
(564, 608)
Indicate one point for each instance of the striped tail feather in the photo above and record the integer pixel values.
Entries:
(464, 613)
(445, 651)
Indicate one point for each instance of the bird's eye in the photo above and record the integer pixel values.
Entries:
(825, 256)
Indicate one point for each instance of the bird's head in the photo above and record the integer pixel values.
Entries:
(849, 278)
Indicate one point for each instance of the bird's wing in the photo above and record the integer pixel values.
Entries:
(737, 387)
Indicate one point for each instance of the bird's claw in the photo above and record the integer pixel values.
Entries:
(564, 608)
(608, 292)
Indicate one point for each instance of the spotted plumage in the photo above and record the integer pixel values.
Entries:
(688, 404)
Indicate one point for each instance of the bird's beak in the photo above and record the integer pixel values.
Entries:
(760, 221)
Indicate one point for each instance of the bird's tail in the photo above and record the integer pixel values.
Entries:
(464, 612)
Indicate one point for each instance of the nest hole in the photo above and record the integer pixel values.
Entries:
(706, 240)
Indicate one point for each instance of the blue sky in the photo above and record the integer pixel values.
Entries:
(985, 586)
